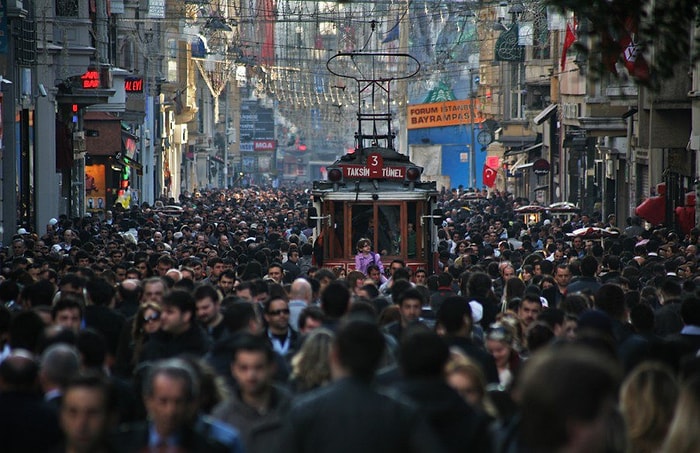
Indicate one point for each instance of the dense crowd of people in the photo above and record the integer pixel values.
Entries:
(212, 325)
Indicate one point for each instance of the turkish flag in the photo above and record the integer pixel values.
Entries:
(569, 41)
(489, 176)
(634, 61)
(621, 43)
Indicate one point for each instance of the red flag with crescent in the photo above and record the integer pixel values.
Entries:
(569, 41)
(489, 176)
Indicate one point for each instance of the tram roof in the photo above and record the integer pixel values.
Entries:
(385, 193)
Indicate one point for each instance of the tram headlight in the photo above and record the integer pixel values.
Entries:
(335, 174)
(413, 173)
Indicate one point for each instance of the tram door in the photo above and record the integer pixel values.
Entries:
(333, 230)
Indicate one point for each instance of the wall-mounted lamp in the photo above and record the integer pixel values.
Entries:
(502, 10)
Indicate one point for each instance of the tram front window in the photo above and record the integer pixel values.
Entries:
(411, 235)
(388, 230)
(363, 223)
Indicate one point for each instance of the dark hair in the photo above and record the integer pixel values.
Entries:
(248, 342)
(268, 302)
(546, 267)
(402, 273)
(100, 291)
(589, 266)
(574, 304)
(204, 291)
(312, 312)
(9, 290)
(182, 300)
(410, 293)
(92, 347)
(532, 298)
(552, 317)
(452, 312)
(39, 293)
(25, 330)
(360, 346)
(324, 273)
(363, 308)
(423, 353)
(248, 285)
(371, 290)
(610, 298)
(690, 310)
(335, 299)
(445, 279)
(642, 318)
(95, 381)
(539, 335)
(238, 315)
(66, 302)
(399, 287)
(72, 279)
(479, 285)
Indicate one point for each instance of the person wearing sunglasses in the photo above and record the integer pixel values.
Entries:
(146, 323)
(282, 337)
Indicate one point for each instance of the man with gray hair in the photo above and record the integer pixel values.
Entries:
(171, 391)
(58, 365)
(300, 297)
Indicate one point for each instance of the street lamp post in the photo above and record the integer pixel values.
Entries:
(472, 153)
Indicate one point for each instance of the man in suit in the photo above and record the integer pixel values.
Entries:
(349, 415)
(27, 422)
(171, 394)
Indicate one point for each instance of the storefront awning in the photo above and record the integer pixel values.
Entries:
(512, 152)
(522, 166)
(545, 114)
(517, 140)
(131, 163)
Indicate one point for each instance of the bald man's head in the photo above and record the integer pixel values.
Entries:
(301, 290)
(175, 274)
(18, 371)
(129, 290)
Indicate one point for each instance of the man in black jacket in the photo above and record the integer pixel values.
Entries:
(422, 359)
(455, 317)
(180, 333)
(349, 415)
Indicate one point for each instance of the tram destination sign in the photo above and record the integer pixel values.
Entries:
(366, 172)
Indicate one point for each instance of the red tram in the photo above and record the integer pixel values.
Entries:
(375, 192)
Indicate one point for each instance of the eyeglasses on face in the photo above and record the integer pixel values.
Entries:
(152, 318)
(282, 311)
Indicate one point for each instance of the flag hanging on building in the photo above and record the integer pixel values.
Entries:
(620, 44)
(569, 41)
(632, 56)
(489, 176)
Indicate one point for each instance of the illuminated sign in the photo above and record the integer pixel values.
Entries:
(440, 114)
(366, 172)
(133, 85)
(264, 145)
(90, 80)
